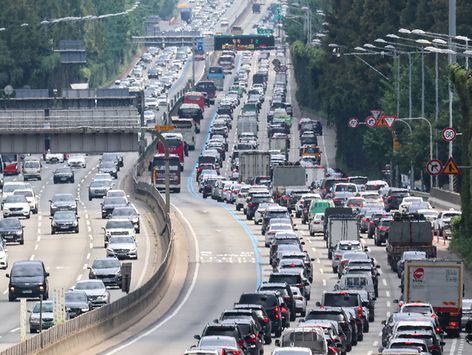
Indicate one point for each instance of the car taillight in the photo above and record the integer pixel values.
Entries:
(299, 285)
(234, 191)
(432, 348)
(383, 229)
(332, 350)
(365, 220)
(359, 312)
(250, 204)
(337, 256)
(276, 310)
(372, 223)
(344, 262)
(232, 352)
(391, 198)
(285, 198)
(438, 330)
(265, 319)
(316, 222)
(241, 343)
(453, 324)
(251, 339)
(240, 195)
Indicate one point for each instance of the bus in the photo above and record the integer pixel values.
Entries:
(11, 164)
(195, 97)
(192, 111)
(185, 127)
(217, 75)
(175, 143)
(159, 172)
(227, 62)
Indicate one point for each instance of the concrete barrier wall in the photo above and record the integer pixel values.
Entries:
(446, 196)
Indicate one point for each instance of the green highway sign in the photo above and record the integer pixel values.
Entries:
(264, 31)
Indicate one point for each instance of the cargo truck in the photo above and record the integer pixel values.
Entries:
(186, 14)
(247, 124)
(439, 283)
(340, 227)
(407, 234)
(253, 163)
(286, 178)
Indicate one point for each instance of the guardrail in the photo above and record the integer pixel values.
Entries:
(109, 320)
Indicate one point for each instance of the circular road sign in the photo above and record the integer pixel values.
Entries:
(353, 122)
(434, 167)
(370, 121)
(448, 134)
(418, 273)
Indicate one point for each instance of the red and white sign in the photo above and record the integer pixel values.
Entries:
(389, 120)
(418, 274)
(434, 167)
(376, 114)
(448, 134)
(353, 122)
(370, 121)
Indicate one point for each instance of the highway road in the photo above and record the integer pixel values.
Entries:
(66, 256)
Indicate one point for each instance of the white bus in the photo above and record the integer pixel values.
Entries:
(185, 127)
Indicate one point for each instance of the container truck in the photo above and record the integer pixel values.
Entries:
(340, 227)
(438, 282)
(253, 163)
(186, 14)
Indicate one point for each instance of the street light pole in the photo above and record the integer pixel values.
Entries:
(410, 102)
(452, 59)
(412, 171)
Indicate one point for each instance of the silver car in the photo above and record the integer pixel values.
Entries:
(122, 247)
(342, 247)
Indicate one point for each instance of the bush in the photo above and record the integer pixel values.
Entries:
(461, 243)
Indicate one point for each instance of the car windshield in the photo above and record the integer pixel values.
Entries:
(64, 215)
(107, 164)
(15, 199)
(354, 282)
(355, 256)
(336, 316)
(118, 224)
(416, 309)
(12, 187)
(31, 164)
(63, 171)
(89, 285)
(121, 240)
(123, 212)
(340, 300)
(27, 270)
(114, 201)
(75, 297)
(105, 263)
(100, 183)
(10, 223)
(264, 300)
(63, 198)
(26, 193)
(46, 307)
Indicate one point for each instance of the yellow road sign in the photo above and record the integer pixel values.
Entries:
(451, 168)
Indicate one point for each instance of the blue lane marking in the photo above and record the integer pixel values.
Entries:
(245, 227)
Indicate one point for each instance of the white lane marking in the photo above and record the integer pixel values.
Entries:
(453, 347)
(40, 217)
(82, 180)
(79, 277)
(147, 257)
(36, 247)
(384, 282)
(187, 295)
(85, 266)
(387, 293)
(88, 222)
(86, 215)
(88, 256)
(91, 245)
(39, 225)
(14, 330)
(375, 343)
(91, 237)
(380, 333)
(39, 230)
(324, 282)
(389, 314)
(321, 271)
(89, 229)
(314, 249)
(38, 239)
(370, 351)
(32, 257)
(318, 261)
(388, 303)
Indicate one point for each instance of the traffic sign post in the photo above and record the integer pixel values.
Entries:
(448, 134)
(451, 168)
(353, 122)
(434, 167)
(376, 114)
(370, 121)
(163, 127)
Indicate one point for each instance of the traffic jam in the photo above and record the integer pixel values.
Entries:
(25, 200)
(329, 242)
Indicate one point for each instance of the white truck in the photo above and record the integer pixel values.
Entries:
(438, 282)
(280, 143)
(288, 177)
(247, 124)
(186, 127)
(314, 175)
(253, 163)
(340, 227)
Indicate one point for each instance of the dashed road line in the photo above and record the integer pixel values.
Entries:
(79, 277)
(36, 247)
(32, 257)
(384, 282)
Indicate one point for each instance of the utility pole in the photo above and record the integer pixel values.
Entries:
(452, 59)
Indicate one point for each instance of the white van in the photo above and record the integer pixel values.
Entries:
(31, 169)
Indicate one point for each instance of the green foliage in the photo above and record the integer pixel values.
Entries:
(26, 52)
(342, 86)
(461, 242)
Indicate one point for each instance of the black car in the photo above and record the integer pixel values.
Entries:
(64, 221)
(76, 303)
(394, 198)
(11, 230)
(286, 293)
(250, 334)
(109, 204)
(28, 279)
(262, 318)
(64, 174)
(340, 316)
(230, 329)
(248, 313)
(108, 167)
(253, 204)
(62, 202)
(115, 158)
(108, 270)
(272, 307)
(130, 212)
(381, 232)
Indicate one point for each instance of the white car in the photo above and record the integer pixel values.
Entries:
(3, 257)
(316, 224)
(162, 100)
(30, 197)
(77, 161)
(300, 301)
(16, 205)
(407, 201)
(10, 187)
(149, 116)
(151, 103)
(51, 158)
